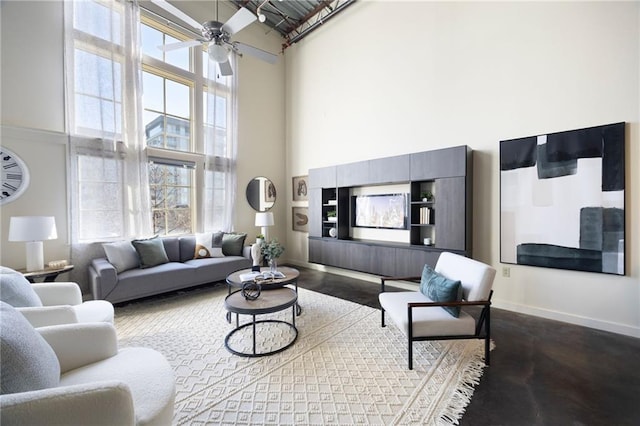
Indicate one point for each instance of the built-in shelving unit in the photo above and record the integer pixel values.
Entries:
(444, 219)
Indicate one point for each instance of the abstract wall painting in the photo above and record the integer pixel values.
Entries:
(562, 200)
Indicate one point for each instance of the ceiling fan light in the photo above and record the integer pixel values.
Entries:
(218, 53)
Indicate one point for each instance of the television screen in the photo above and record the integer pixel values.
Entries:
(380, 211)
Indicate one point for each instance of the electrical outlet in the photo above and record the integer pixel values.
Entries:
(506, 271)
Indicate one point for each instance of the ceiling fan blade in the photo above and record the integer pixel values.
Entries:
(180, 45)
(255, 52)
(225, 68)
(177, 13)
(239, 20)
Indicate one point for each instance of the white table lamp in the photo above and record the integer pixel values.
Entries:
(264, 219)
(33, 230)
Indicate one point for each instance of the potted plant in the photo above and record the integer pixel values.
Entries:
(426, 196)
(332, 216)
(271, 252)
(260, 239)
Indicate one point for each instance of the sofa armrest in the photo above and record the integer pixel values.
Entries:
(246, 252)
(103, 278)
(97, 403)
(42, 316)
(77, 345)
(58, 293)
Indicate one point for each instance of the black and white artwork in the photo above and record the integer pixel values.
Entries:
(562, 200)
(299, 184)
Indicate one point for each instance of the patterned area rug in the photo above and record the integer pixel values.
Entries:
(344, 368)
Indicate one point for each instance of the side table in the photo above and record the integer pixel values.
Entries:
(48, 274)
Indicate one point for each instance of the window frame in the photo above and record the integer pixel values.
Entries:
(199, 86)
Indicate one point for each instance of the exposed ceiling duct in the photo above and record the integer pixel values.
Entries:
(296, 19)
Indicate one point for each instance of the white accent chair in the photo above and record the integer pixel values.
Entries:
(74, 374)
(51, 303)
(422, 318)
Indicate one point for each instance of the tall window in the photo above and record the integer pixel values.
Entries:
(108, 188)
(152, 143)
(186, 130)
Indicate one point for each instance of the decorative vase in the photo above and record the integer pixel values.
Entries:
(256, 256)
(273, 265)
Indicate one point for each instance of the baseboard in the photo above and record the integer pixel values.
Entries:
(609, 326)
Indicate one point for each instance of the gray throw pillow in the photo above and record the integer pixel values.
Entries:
(121, 255)
(27, 362)
(16, 290)
(151, 252)
(233, 243)
(439, 288)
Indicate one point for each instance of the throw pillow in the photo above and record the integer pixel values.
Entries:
(208, 244)
(27, 362)
(151, 252)
(16, 290)
(122, 255)
(233, 243)
(439, 288)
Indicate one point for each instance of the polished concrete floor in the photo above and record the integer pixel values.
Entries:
(542, 372)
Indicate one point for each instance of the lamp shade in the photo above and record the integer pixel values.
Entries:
(264, 219)
(32, 228)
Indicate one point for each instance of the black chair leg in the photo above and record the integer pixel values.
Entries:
(410, 355)
(382, 315)
(487, 351)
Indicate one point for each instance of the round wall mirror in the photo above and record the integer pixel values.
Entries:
(261, 194)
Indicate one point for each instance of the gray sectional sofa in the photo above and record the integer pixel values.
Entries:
(117, 282)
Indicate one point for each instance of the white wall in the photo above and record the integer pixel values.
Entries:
(32, 117)
(387, 78)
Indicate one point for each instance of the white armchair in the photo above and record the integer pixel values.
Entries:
(435, 312)
(74, 374)
(52, 303)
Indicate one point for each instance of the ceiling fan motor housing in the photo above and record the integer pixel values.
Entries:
(212, 30)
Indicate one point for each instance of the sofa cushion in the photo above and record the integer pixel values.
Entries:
(16, 290)
(208, 244)
(439, 288)
(151, 252)
(172, 248)
(233, 243)
(28, 363)
(122, 255)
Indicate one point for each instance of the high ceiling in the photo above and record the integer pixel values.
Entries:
(294, 19)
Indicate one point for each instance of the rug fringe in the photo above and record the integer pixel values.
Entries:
(461, 397)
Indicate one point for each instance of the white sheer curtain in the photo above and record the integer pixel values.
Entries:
(108, 182)
(220, 146)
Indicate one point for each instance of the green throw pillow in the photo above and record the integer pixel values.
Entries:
(151, 252)
(439, 288)
(232, 244)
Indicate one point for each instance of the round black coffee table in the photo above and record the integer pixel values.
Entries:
(268, 302)
(238, 278)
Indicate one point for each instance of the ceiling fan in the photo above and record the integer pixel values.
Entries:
(217, 36)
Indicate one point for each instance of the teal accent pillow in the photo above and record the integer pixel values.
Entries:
(151, 252)
(27, 362)
(439, 288)
(233, 243)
